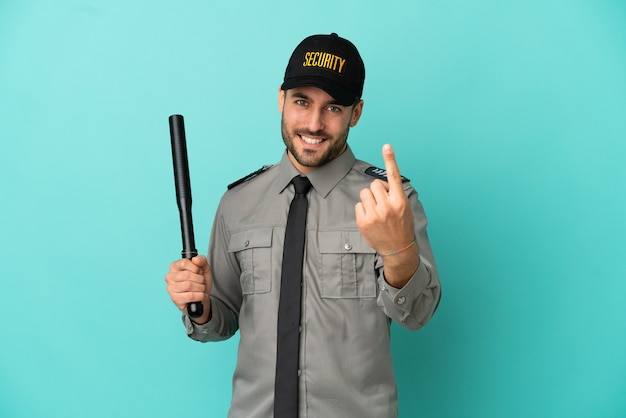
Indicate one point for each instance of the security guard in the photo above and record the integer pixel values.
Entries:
(367, 259)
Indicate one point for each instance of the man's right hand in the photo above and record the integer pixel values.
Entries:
(190, 281)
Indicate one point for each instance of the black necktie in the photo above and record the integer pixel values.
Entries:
(288, 342)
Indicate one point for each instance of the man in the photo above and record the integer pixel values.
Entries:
(367, 259)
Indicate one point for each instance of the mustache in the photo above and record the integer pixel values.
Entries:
(320, 133)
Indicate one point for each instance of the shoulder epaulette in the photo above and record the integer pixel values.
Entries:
(249, 176)
(380, 173)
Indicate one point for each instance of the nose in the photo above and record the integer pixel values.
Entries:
(315, 121)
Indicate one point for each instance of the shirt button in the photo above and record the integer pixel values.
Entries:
(299, 372)
(401, 300)
(245, 244)
(299, 329)
(347, 246)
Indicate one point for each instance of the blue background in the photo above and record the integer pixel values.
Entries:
(508, 117)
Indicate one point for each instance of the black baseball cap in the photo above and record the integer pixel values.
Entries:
(330, 63)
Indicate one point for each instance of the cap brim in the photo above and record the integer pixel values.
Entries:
(343, 96)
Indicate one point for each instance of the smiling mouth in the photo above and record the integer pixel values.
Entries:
(311, 141)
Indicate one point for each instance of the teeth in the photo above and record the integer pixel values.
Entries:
(312, 141)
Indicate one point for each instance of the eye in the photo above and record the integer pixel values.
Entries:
(334, 108)
(301, 102)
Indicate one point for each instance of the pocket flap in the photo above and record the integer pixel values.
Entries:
(250, 238)
(342, 242)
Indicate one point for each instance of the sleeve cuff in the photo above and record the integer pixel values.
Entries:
(200, 332)
(399, 303)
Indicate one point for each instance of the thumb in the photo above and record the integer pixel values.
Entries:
(199, 260)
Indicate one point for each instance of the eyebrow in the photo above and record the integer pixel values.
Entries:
(301, 95)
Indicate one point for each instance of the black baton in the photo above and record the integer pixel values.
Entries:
(183, 196)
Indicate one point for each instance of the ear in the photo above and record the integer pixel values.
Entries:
(356, 113)
(281, 99)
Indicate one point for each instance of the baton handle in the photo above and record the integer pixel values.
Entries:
(183, 196)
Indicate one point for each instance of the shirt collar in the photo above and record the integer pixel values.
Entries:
(323, 178)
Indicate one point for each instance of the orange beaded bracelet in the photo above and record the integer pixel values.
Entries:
(412, 243)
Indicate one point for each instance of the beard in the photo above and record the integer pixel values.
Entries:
(313, 158)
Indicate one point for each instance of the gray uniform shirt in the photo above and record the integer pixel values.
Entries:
(345, 355)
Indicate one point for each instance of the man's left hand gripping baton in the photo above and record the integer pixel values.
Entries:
(183, 196)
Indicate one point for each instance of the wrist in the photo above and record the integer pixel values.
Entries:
(206, 315)
(401, 250)
(399, 269)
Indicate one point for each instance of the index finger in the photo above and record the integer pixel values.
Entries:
(393, 172)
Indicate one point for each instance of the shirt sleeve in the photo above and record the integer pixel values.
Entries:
(217, 329)
(413, 305)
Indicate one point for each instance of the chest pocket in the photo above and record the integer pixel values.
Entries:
(347, 265)
(253, 249)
